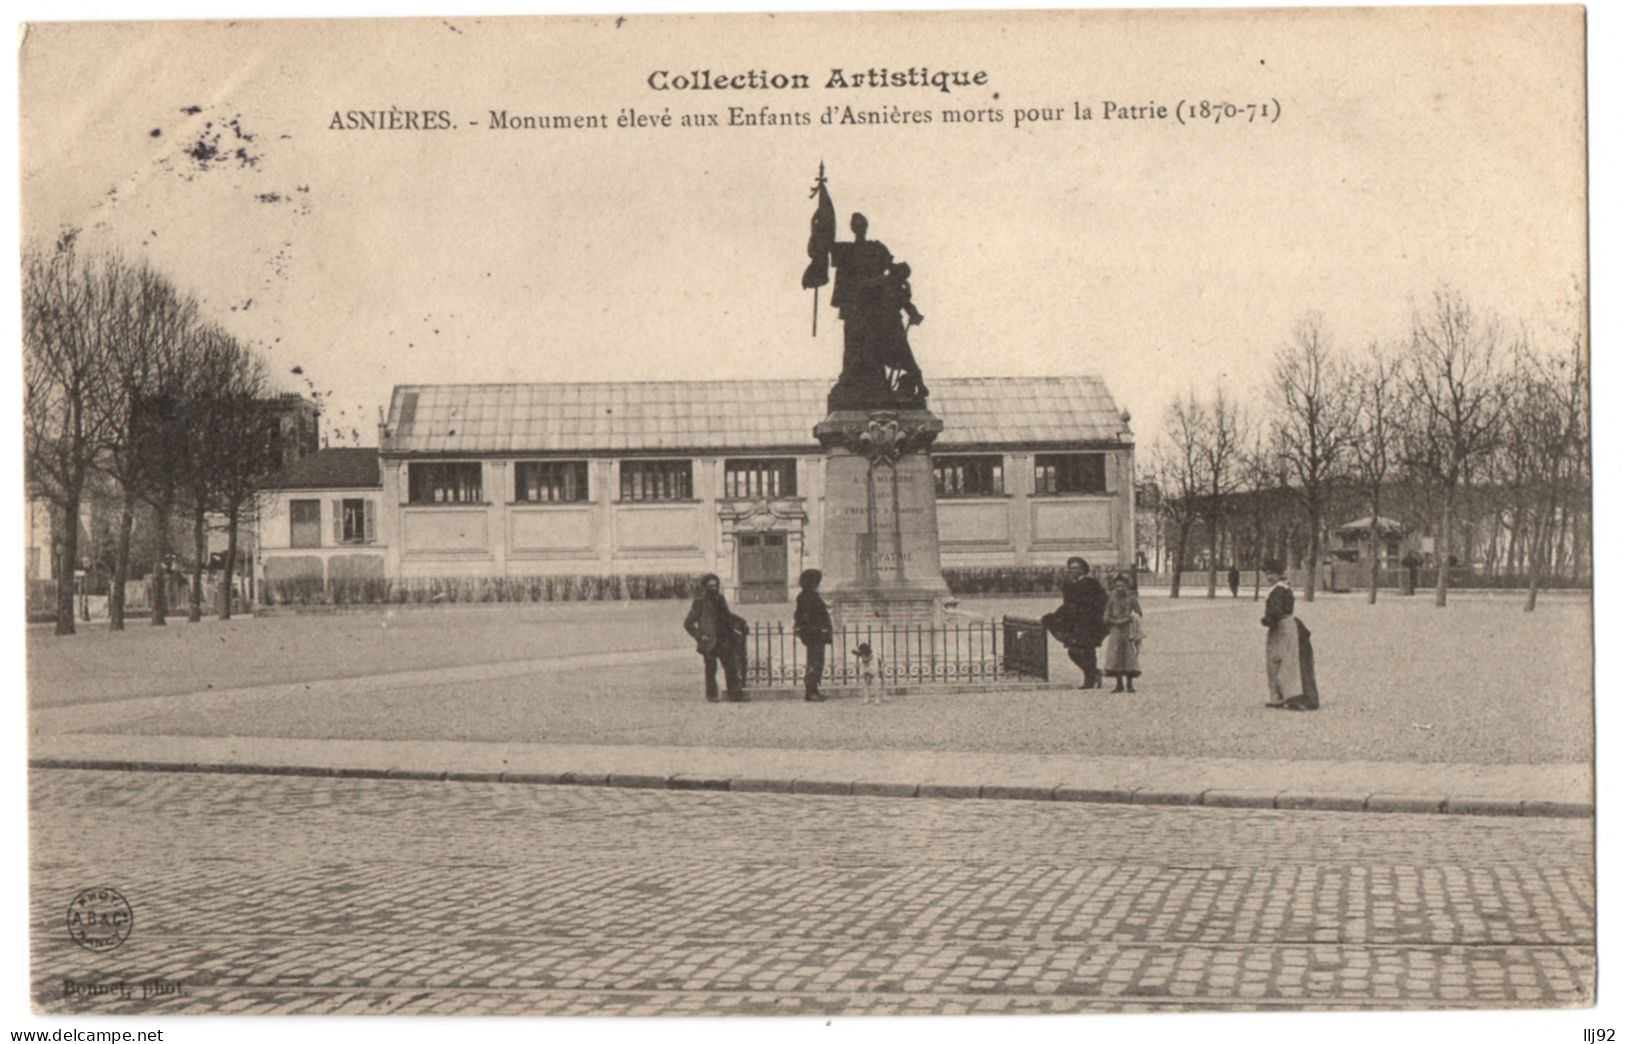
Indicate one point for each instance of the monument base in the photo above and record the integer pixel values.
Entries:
(857, 610)
(881, 561)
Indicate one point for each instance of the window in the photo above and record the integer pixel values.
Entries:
(750, 479)
(305, 517)
(550, 481)
(355, 521)
(657, 480)
(444, 483)
(1069, 473)
(968, 476)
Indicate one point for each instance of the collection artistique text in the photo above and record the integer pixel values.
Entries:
(944, 80)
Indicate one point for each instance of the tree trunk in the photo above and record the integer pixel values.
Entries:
(1560, 544)
(67, 543)
(1376, 546)
(200, 552)
(1313, 580)
(1535, 562)
(160, 569)
(121, 564)
(1178, 560)
(1441, 557)
(227, 587)
(1580, 518)
(1213, 560)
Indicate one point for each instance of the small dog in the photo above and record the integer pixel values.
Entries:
(870, 673)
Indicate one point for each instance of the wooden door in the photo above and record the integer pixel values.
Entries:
(763, 568)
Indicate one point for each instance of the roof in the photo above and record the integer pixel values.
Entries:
(335, 468)
(1362, 524)
(656, 416)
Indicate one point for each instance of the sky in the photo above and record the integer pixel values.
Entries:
(1413, 149)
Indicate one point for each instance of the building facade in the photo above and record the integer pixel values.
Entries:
(298, 425)
(320, 524)
(682, 478)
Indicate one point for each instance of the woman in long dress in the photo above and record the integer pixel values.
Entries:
(1123, 641)
(1289, 656)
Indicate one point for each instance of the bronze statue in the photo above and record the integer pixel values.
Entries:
(875, 302)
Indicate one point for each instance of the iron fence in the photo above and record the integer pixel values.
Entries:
(1011, 649)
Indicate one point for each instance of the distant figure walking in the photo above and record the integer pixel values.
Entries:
(1123, 616)
(871, 673)
(1079, 623)
(1234, 576)
(1289, 657)
(814, 628)
(718, 635)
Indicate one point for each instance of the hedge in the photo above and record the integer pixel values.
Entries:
(480, 589)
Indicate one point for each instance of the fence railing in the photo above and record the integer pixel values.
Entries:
(1011, 649)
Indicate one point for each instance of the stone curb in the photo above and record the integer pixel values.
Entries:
(1171, 797)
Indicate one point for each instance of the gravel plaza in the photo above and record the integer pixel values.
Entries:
(1404, 681)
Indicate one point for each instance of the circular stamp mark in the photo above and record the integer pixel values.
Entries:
(99, 919)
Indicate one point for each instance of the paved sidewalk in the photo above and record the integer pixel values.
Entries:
(1373, 786)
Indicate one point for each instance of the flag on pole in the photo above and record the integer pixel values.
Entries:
(822, 238)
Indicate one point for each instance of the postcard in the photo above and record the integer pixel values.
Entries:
(809, 515)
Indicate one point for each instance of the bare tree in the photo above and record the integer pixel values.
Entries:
(1222, 440)
(1260, 483)
(165, 418)
(1148, 501)
(1179, 470)
(154, 319)
(1457, 392)
(1310, 397)
(240, 452)
(1548, 438)
(203, 456)
(68, 320)
(1375, 380)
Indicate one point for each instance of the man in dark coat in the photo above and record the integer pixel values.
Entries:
(718, 635)
(1234, 576)
(1080, 622)
(814, 628)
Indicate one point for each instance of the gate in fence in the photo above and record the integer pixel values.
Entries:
(1012, 649)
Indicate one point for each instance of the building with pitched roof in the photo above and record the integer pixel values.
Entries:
(320, 522)
(688, 477)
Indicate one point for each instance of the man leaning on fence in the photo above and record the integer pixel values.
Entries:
(814, 628)
(718, 635)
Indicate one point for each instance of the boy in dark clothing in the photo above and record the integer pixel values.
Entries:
(814, 628)
(718, 635)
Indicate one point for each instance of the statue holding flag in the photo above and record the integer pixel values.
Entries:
(874, 300)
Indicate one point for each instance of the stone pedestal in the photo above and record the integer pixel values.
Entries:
(880, 558)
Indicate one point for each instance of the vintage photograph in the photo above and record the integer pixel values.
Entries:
(961, 513)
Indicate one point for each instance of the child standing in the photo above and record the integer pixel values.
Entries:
(1123, 638)
(815, 630)
(870, 673)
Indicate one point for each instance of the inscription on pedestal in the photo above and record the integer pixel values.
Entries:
(880, 521)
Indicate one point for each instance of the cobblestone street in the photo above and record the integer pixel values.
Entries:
(265, 893)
